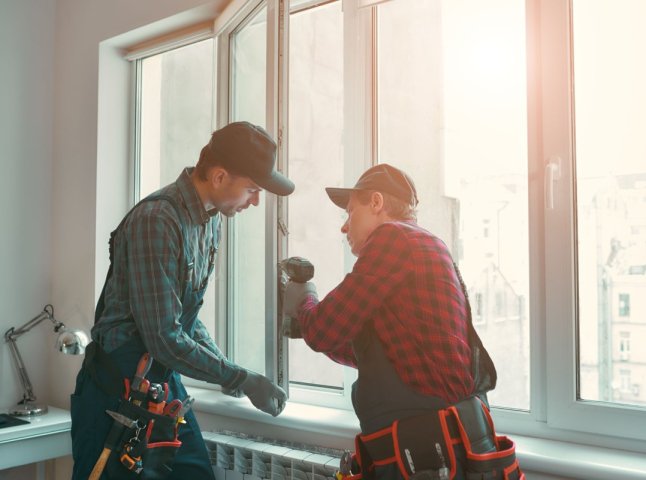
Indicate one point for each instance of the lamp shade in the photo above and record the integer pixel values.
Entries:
(72, 341)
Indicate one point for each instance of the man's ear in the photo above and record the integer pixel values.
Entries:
(377, 202)
(217, 175)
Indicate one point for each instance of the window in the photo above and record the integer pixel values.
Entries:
(452, 111)
(520, 123)
(174, 112)
(624, 346)
(477, 308)
(174, 120)
(246, 238)
(316, 159)
(624, 305)
(594, 173)
(624, 376)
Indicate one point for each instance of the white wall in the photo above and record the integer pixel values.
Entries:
(26, 150)
(52, 97)
(91, 123)
(26, 145)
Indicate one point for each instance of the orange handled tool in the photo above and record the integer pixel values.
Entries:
(173, 408)
(145, 362)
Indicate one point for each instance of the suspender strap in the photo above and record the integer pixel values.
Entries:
(100, 306)
(483, 369)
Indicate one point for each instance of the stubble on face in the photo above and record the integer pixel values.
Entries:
(239, 194)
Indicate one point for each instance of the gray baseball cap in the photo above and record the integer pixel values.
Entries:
(382, 178)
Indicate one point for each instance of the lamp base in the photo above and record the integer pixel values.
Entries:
(28, 410)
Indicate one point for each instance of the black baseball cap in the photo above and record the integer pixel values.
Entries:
(247, 150)
(382, 178)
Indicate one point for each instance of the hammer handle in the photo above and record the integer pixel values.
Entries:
(100, 464)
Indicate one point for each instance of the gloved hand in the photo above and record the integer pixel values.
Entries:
(291, 328)
(263, 393)
(294, 295)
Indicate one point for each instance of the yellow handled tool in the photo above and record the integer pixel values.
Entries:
(120, 423)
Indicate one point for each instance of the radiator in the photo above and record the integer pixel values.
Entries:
(237, 457)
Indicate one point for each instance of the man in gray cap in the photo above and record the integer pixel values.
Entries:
(162, 255)
(401, 317)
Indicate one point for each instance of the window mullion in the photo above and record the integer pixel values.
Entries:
(276, 346)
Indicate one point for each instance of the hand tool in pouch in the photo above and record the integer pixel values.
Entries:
(145, 362)
(186, 406)
(157, 395)
(133, 449)
(120, 424)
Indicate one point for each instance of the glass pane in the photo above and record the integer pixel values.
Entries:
(247, 254)
(176, 118)
(176, 111)
(610, 74)
(315, 161)
(452, 106)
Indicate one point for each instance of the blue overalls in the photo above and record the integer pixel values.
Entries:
(99, 387)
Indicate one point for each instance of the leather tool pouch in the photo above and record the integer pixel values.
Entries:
(438, 445)
(161, 440)
(489, 456)
(420, 446)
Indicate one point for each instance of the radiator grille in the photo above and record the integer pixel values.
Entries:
(236, 457)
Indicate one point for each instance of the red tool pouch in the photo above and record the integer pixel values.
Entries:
(432, 446)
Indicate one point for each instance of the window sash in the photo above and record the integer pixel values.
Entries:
(564, 409)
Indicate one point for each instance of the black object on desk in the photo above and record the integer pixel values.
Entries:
(9, 421)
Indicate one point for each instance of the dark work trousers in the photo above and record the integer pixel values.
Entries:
(380, 397)
(99, 386)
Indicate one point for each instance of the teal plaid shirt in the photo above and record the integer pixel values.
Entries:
(143, 297)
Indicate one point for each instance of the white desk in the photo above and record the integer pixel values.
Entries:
(46, 436)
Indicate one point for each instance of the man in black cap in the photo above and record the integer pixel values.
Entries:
(400, 317)
(162, 255)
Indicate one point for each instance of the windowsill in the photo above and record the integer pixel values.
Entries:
(328, 427)
(336, 428)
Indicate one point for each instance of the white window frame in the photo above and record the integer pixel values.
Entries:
(555, 409)
(135, 54)
(556, 141)
(554, 403)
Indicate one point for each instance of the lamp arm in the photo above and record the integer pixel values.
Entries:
(28, 392)
(46, 314)
(12, 334)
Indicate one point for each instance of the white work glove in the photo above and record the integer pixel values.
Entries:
(294, 296)
(263, 393)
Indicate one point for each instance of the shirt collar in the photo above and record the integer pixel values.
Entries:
(192, 200)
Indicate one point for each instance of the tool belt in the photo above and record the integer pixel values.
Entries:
(144, 436)
(428, 447)
(149, 447)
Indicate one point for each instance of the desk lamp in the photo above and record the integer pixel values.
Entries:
(70, 341)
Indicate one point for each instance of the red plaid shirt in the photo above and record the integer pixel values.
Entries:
(405, 286)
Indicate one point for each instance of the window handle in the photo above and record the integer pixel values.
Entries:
(552, 174)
